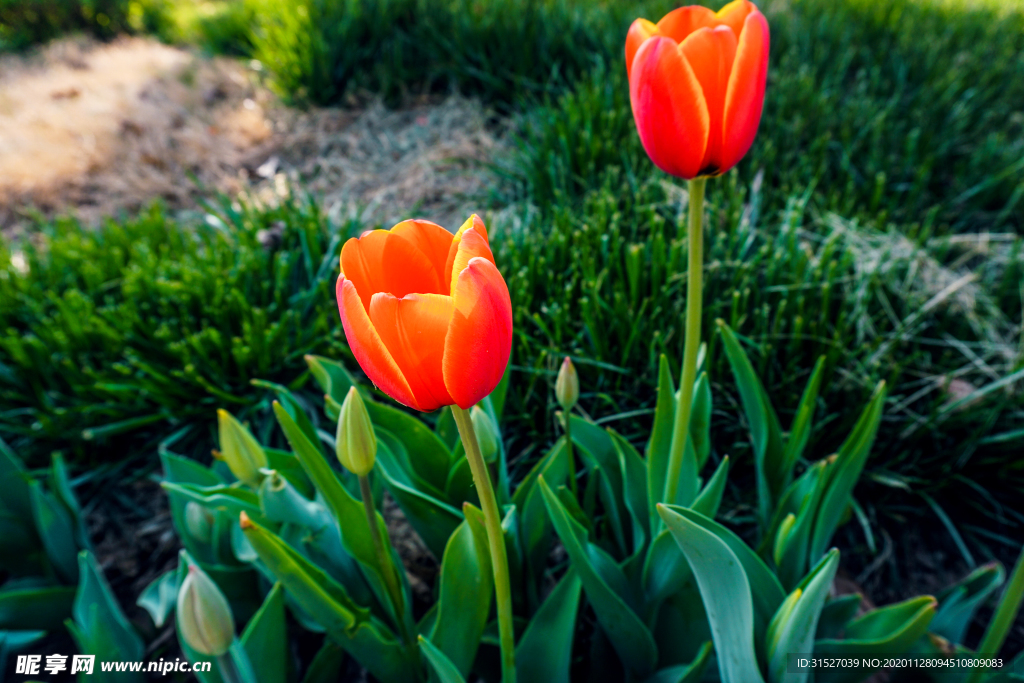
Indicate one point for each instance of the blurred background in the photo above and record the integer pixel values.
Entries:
(177, 178)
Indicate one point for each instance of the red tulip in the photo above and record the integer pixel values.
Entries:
(696, 83)
(426, 313)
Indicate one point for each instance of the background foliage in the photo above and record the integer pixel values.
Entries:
(877, 221)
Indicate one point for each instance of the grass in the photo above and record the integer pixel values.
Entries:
(145, 326)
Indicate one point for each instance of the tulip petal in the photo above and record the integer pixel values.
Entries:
(744, 97)
(472, 223)
(382, 261)
(681, 22)
(472, 245)
(734, 13)
(639, 31)
(368, 348)
(668, 107)
(479, 339)
(710, 52)
(413, 329)
(430, 238)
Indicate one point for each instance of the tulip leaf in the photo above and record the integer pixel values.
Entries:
(466, 587)
(60, 488)
(331, 375)
(291, 405)
(765, 431)
(460, 487)
(660, 442)
(767, 592)
(446, 671)
(289, 467)
(889, 631)
(534, 523)
(56, 529)
(265, 638)
(792, 630)
(725, 590)
(159, 598)
(349, 512)
(844, 473)
(100, 627)
(326, 665)
(544, 652)
(433, 519)
(685, 673)
(446, 429)
(958, 603)
(792, 541)
(634, 477)
(43, 608)
(710, 497)
(430, 457)
(629, 636)
(596, 448)
(700, 420)
(800, 431)
(836, 614)
(325, 600)
(664, 568)
(230, 499)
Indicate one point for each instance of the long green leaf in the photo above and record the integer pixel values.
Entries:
(57, 531)
(446, 671)
(660, 442)
(765, 431)
(843, 475)
(31, 609)
(327, 664)
(889, 631)
(363, 636)
(466, 587)
(710, 497)
(793, 631)
(685, 673)
(159, 598)
(627, 633)
(265, 639)
(14, 484)
(544, 652)
(726, 592)
(958, 603)
(428, 454)
(800, 432)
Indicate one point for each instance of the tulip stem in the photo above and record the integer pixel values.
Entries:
(495, 540)
(227, 669)
(694, 296)
(386, 566)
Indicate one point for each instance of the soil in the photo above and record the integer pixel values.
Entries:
(104, 129)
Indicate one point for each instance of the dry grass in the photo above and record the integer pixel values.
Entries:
(103, 129)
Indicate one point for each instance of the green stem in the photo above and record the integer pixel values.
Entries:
(386, 566)
(694, 295)
(495, 540)
(1002, 620)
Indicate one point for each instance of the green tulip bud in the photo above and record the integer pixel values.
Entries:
(204, 616)
(567, 386)
(240, 449)
(355, 442)
(486, 434)
(198, 521)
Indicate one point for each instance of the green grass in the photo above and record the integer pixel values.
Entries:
(146, 326)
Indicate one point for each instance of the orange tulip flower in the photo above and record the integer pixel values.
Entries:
(696, 83)
(426, 313)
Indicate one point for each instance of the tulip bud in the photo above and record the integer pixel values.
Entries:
(567, 386)
(486, 434)
(355, 443)
(204, 617)
(198, 521)
(240, 449)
